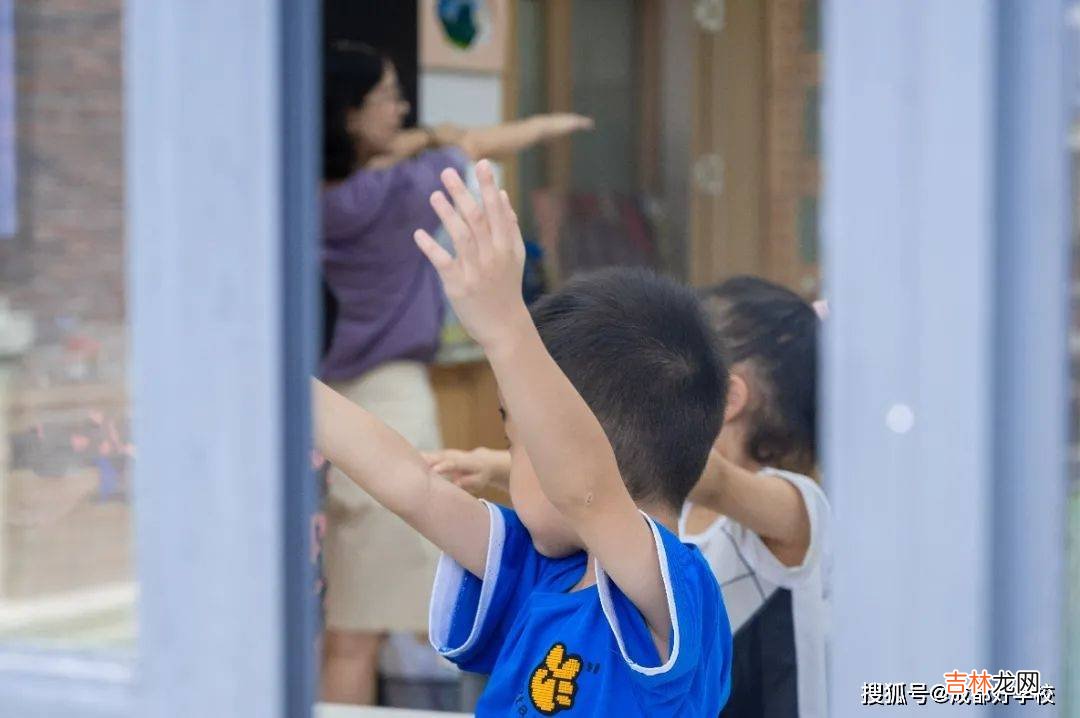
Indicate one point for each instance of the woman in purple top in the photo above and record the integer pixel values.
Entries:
(378, 178)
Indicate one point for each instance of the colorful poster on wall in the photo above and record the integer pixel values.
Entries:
(8, 206)
(467, 35)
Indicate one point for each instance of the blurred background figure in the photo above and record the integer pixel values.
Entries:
(387, 308)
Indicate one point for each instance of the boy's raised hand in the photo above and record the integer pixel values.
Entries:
(567, 447)
(483, 278)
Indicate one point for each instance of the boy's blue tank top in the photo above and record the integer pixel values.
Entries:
(585, 653)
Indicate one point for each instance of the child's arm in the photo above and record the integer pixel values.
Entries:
(475, 470)
(767, 505)
(564, 441)
(385, 465)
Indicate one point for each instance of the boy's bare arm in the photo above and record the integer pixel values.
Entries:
(386, 466)
(770, 506)
(565, 443)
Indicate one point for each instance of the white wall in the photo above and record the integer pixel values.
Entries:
(463, 98)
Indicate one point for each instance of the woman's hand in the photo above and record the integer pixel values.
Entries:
(562, 123)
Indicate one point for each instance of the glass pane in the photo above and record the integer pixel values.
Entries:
(531, 100)
(66, 573)
(811, 25)
(605, 87)
(808, 230)
(812, 122)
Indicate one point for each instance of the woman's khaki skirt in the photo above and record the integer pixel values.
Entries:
(379, 571)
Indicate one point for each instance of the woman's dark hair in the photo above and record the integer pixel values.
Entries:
(774, 332)
(352, 71)
(330, 315)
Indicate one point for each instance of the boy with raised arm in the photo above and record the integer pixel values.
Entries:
(583, 599)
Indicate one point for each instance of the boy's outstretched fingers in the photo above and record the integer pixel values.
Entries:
(460, 234)
(507, 207)
(508, 210)
(483, 280)
(513, 230)
(438, 256)
(467, 208)
(489, 192)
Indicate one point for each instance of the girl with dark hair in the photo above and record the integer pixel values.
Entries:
(759, 520)
(377, 181)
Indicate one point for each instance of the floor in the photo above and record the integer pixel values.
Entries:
(327, 710)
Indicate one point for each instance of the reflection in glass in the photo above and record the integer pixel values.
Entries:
(66, 574)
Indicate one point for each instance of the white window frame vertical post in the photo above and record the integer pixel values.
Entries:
(221, 107)
(222, 190)
(945, 257)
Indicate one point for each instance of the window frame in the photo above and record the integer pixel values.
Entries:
(222, 174)
(946, 257)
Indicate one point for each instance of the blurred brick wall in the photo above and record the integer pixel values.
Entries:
(66, 522)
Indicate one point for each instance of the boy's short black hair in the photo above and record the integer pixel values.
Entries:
(775, 331)
(640, 351)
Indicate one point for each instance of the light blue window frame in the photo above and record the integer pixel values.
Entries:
(221, 131)
(945, 247)
(8, 198)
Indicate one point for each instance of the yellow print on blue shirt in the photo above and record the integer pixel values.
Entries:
(554, 682)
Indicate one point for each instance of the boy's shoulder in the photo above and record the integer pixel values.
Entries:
(523, 625)
(511, 542)
(686, 556)
(693, 568)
